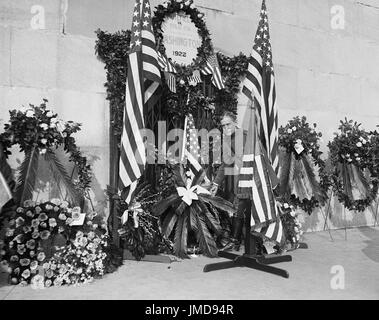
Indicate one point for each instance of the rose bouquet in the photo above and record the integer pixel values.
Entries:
(81, 261)
(34, 232)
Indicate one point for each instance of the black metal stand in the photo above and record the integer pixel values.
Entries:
(250, 258)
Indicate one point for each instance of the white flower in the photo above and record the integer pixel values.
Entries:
(286, 205)
(359, 144)
(49, 114)
(44, 126)
(42, 151)
(358, 158)
(289, 131)
(30, 113)
(293, 128)
(292, 213)
(44, 141)
(364, 141)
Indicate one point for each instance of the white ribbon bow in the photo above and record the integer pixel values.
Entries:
(190, 193)
(137, 209)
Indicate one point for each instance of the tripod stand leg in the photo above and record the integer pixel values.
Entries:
(274, 259)
(254, 264)
(219, 266)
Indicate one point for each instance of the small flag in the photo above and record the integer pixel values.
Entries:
(195, 78)
(212, 67)
(165, 64)
(171, 81)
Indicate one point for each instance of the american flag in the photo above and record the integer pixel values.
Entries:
(191, 148)
(143, 85)
(195, 78)
(256, 182)
(171, 81)
(259, 85)
(165, 64)
(212, 67)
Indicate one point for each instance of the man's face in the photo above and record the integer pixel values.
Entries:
(228, 125)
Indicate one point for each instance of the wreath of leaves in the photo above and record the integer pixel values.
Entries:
(299, 129)
(353, 145)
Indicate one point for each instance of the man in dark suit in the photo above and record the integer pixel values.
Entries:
(233, 143)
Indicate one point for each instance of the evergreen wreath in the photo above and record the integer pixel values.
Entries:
(171, 7)
(300, 140)
(352, 148)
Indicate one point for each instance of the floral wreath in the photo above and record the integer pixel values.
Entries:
(36, 126)
(353, 145)
(299, 138)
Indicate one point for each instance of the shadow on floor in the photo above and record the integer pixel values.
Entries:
(372, 243)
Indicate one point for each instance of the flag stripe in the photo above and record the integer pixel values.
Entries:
(142, 89)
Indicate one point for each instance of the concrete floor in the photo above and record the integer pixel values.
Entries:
(311, 274)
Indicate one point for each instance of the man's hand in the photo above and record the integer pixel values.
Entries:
(213, 189)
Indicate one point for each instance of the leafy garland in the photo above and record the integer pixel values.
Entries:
(298, 138)
(38, 127)
(354, 146)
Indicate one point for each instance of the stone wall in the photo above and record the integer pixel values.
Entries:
(322, 72)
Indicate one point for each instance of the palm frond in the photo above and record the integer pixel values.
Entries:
(317, 192)
(179, 210)
(193, 221)
(169, 223)
(163, 205)
(219, 203)
(211, 221)
(27, 177)
(206, 240)
(179, 175)
(198, 178)
(61, 177)
(181, 234)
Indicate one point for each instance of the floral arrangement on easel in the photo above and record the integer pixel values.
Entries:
(40, 234)
(39, 132)
(354, 176)
(298, 184)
